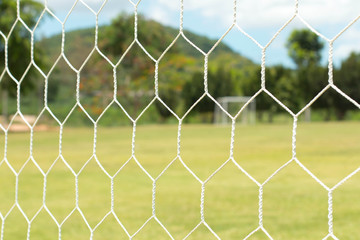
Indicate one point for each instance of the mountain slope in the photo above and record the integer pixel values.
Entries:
(151, 34)
(135, 74)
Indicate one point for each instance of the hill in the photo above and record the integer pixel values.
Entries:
(154, 36)
(135, 73)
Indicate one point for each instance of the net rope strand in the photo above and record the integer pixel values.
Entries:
(181, 34)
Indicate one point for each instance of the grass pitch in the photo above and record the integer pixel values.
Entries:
(294, 204)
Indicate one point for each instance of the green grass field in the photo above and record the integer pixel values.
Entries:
(295, 205)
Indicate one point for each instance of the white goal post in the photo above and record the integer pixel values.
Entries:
(232, 105)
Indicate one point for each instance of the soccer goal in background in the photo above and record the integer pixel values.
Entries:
(232, 105)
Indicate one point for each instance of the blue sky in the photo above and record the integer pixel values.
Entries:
(259, 18)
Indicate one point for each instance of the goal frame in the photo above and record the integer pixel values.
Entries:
(248, 114)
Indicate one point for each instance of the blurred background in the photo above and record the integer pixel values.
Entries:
(296, 60)
(75, 168)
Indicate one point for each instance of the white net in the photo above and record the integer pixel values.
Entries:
(77, 172)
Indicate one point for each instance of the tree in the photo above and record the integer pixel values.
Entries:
(180, 82)
(347, 78)
(220, 85)
(18, 45)
(304, 48)
(136, 71)
(119, 35)
(279, 81)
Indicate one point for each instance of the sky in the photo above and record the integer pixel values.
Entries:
(261, 19)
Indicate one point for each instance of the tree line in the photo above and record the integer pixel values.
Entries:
(295, 88)
(181, 76)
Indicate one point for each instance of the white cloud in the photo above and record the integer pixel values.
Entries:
(328, 12)
(170, 5)
(263, 13)
(347, 42)
(344, 50)
(166, 12)
(61, 8)
(251, 13)
(159, 14)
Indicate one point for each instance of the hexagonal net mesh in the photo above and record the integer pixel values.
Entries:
(32, 124)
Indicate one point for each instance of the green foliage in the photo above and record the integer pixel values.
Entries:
(181, 79)
(220, 84)
(348, 76)
(120, 34)
(19, 42)
(347, 79)
(179, 67)
(192, 91)
(304, 47)
(8, 15)
(135, 74)
(18, 51)
(279, 82)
